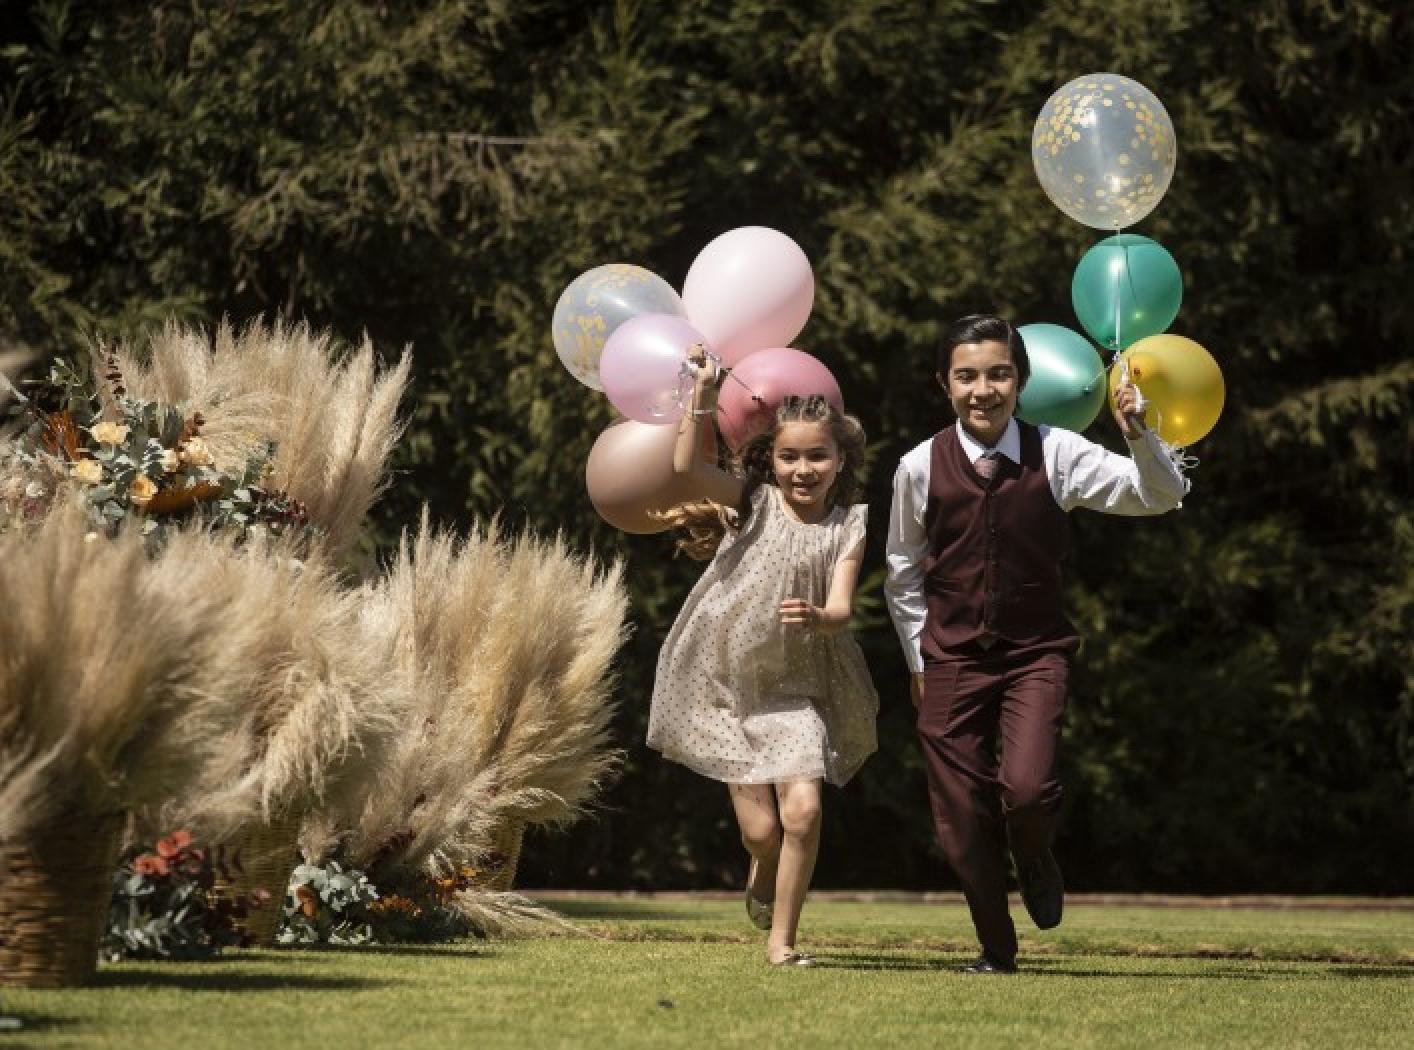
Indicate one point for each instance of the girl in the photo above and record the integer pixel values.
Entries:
(759, 683)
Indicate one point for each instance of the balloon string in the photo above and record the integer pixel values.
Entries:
(1119, 288)
(1123, 277)
(754, 395)
(685, 374)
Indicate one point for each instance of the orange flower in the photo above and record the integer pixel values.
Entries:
(142, 489)
(393, 906)
(150, 864)
(308, 901)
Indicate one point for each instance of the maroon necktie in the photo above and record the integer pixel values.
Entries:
(986, 467)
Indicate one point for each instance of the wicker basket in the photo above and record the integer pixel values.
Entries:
(55, 887)
(498, 871)
(266, 854)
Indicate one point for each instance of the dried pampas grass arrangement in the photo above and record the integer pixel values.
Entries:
(106, 704)
(318, 703)
(507, 648)
(332, 416)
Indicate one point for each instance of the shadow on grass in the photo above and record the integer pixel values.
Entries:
(1064, 968)
(610, 910)
(232, 982)
(29, 1024)
(470, 951)
(1385, 973)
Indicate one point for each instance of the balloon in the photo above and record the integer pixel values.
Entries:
(593, 306)
(1133, 275)
(642, 367)
(751, 394)
(1103, 147)
(1067, 384)
(630, 472)
(750, 288)
(1181, 382)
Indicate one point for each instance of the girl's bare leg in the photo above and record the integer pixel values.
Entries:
(799, 802)
(755, 806)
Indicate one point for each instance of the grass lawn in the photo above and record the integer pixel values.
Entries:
(662, 973)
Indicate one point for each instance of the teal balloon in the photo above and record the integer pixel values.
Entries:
(1131, 275)
(1067, 387)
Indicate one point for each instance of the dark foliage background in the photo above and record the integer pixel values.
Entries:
(435, 172)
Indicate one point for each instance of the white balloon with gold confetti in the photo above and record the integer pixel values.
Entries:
(593, 307)
(1104, 150)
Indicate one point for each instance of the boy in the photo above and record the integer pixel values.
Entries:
(977, 535)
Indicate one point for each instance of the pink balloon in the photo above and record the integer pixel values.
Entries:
(750, 288)
(751, 394)
(630, 473)
(642, 367)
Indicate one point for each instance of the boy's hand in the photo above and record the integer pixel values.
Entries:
(1128, 411)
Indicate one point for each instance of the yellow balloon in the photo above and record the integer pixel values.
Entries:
(1181, 382)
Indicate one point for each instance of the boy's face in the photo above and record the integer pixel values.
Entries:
(982, 385)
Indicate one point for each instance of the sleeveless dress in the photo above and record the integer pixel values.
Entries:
(741, 697)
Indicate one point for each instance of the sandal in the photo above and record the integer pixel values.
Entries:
(795, 958)
(758, 911)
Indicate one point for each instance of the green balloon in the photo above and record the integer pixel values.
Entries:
(1134, 274)
(1067, 387)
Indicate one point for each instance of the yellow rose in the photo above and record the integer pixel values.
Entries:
(109, 433)
(170, 460)
(89, 471)
(141, 490)
(195, 452)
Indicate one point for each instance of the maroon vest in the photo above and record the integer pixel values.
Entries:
(993, 568)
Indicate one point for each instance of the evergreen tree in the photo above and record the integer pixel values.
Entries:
(435, 172)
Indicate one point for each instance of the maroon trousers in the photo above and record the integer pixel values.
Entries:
(971, 705)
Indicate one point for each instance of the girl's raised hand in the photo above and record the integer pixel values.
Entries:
(799, 611)
(703, 369)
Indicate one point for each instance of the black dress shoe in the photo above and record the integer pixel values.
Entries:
(1042, 890)
(985, 964)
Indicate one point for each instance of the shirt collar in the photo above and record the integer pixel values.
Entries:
(1009, 446)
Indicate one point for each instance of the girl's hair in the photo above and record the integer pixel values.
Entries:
(982, 328)
(702, 524)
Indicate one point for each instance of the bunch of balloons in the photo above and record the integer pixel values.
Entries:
(1103, 148)
(623, 330)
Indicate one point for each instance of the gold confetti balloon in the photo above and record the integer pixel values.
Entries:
(1103, 147)
(596, 303)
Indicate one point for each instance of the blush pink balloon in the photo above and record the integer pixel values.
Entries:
(630, 474)
(642, 367)
(751, 394)
(750, 288)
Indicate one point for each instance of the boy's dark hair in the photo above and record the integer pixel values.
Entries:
(982, 328)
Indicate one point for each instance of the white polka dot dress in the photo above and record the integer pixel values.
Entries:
(741, 697)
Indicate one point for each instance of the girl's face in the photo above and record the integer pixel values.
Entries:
(805, 460)
(982, 385)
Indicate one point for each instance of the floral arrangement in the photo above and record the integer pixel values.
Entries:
(337, 905)
(165, 905)
(132, 459)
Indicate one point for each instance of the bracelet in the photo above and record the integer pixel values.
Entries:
(701, 411)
